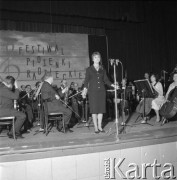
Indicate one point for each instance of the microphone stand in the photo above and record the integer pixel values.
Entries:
(164, 72)
(115, 97)
(164, 80)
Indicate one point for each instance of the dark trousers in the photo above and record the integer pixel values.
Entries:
(20, 117)
(75, 108)
(29, 114)
(57, 106)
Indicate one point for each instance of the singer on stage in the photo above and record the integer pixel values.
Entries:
(94, 83)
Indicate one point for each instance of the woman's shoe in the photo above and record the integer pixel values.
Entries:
(96, 132)
(102, 131)
(158, 120)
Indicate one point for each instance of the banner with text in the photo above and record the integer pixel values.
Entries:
(28, 55)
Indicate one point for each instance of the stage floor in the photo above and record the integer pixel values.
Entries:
(85, 137)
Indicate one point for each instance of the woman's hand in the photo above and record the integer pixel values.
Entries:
(84, 93)
(57, 96)
(115, 86)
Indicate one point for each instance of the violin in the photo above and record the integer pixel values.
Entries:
(65, 94)
(169, 108)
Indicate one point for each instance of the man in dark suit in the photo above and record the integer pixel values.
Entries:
(9, 93)
(53, 100)
(25, 103)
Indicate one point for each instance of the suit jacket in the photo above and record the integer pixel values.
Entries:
(48, 93)
(7, 97)
(96, 80)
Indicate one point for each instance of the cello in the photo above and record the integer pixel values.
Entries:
(144, 106)
(169, 108)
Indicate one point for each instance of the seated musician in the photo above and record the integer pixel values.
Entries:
(9, 92)
(36, 99)
(146, 75)
(22, 88)
(25, 105)
(53, 100)
(172, 85)
(74, 101)
(63, 91)
(169, 109)
(124, 104)
(159, 100)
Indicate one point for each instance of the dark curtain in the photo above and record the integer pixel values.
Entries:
(142, 35)
(98, 44)
(146, 47)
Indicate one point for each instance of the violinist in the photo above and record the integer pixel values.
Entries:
(53, 100)
(25, 104)
(74, 100)
(9, 92)
(159, 100)
(36, 100)
(63, 91)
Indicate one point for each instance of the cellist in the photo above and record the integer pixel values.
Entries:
(169, 109)
(172, 85)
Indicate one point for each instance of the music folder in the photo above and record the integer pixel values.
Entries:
(144, 88)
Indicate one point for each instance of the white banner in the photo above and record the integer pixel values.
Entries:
(27, 55)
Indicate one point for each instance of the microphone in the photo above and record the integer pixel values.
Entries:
(164, 71)
(116, 61)
(111, 61)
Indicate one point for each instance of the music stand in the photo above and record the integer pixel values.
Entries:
(145, 90)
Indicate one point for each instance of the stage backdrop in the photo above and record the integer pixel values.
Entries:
(27, 55)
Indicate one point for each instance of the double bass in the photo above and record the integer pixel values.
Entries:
(169, 108)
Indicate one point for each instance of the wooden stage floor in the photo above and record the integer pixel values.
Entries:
(85, 137)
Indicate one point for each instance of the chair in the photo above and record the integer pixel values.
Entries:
(8, 121)
(55, 117)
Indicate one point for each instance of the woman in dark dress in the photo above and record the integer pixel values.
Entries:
(94, 83)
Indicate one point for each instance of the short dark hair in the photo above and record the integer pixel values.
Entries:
(37, 83)
(175, 72)
(11, 79)
(155, 75)
(27, 86)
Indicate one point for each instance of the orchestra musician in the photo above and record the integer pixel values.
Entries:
(169, 110)
(8, 93)
(36, 101)
(146, 75)
(53, 100)
(25, 104)
(75, 99)
(159, 100)
(63, 91)
(172, 85)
